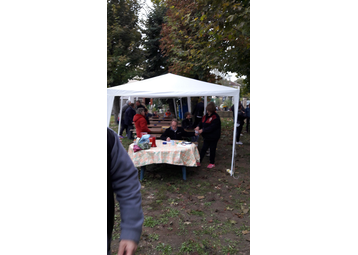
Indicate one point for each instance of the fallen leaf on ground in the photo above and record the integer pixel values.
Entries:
(244, 232)
(201, 197)
(233, 222)
(187, 223)
(229, 209)
(239, 215)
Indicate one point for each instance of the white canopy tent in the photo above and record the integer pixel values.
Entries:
(170, 86)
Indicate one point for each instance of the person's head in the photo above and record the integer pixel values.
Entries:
(129, 102)
(168, 111)
(145, 111)
(138, 103)
(131, 105)
(187, 115)
(174, 124)
(210, 108)
(140, 111)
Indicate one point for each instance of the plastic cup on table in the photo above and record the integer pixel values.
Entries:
(172, 142)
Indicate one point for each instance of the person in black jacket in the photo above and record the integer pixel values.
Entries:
(122, 180)
(186, 123)
(240, 121)
(198, 113)
(210, 129)
(175, 132)
(123, 125)
(139, 105)
(130, 112)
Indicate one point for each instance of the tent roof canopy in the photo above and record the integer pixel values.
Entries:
(171, 85)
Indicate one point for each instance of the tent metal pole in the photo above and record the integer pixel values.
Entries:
(189, 104)
(181, 106)
(205, 103)
(120, 114)
(236, 110)
(175, 108)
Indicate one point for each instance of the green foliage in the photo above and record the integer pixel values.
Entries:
(165, 248)
(202, 35)
(155, 63)
(180, 42)
(123, 41)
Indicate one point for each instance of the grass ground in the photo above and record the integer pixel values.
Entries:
(207, 214)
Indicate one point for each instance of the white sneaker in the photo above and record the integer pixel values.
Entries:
(240, 143)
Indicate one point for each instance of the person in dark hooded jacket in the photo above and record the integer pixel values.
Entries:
(129, 114)
(210, 129)
(240, 121)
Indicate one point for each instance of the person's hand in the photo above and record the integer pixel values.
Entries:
(197, 128)
(168, 139)
(127, 247)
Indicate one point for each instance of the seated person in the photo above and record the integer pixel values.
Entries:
(167, 113)
(186, 123)
(175, 132)
(155, 114)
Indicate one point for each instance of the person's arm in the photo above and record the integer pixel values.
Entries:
(187, 134)
(126, 186)
(165, 135)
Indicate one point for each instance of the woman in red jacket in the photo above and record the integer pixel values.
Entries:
(140, 122)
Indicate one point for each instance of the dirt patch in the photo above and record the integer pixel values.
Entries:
(207, 214)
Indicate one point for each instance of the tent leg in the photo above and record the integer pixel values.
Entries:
(175, 108)
(183, 169)
(142, 170)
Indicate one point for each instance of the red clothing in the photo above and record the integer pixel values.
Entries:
(140, 124)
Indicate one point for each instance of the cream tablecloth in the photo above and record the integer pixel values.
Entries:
(176, 154)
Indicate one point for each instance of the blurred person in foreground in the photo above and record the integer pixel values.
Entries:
(140, 122)
(210, 129)
(122, 180)
(175, 133)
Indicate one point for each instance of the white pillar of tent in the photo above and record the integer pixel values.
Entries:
(110, 100)
(189, 104)
(205, 103)
(120, 114)
(181, 107)
(175, 107)
(236, 110)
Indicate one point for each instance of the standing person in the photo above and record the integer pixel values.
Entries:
(123, 125)
(140, 122)
(139, 105)
(210, 129)
(198, 112)
(240, 121)
(247, 112)
(122, 180)
(130, 112)
(146, 114)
